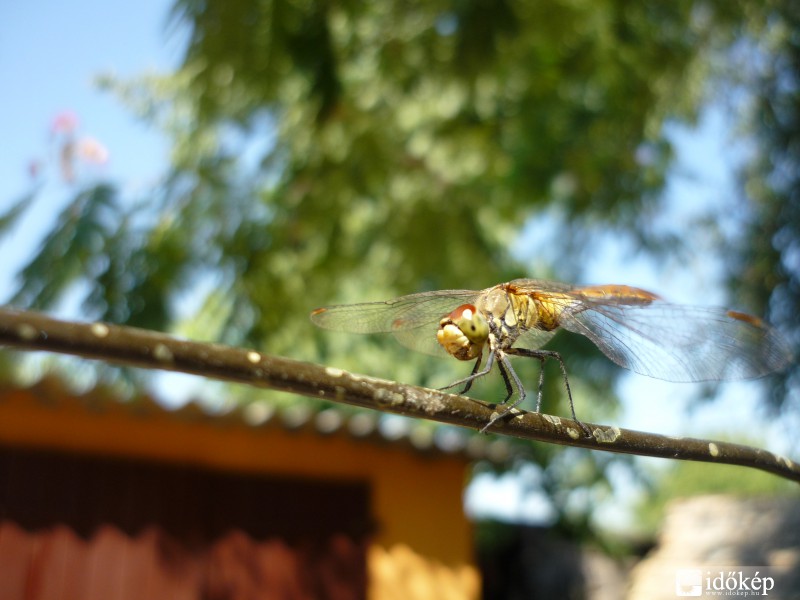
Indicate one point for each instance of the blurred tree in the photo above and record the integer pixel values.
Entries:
(348, 151)
(765, 258)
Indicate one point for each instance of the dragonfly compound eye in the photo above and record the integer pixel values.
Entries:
(471, 323)
(463, 332)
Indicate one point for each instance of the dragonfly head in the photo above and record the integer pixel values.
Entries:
(463, 332)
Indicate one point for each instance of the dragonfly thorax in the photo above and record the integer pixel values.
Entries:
(509, 314)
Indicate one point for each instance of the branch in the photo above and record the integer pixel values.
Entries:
(137, 347)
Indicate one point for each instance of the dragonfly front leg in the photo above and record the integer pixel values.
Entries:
(472, 376)
(468, 381)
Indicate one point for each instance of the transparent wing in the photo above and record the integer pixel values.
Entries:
(540, 285)
(412, 319)
(676, 342)
(533, 339)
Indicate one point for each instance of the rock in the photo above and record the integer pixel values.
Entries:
(708, 533)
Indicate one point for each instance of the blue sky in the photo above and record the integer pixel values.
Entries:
(51, 51)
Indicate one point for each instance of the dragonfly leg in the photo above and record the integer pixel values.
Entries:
(542, 355)
(511, 379)
(540, 390)
(472, 376)
(468, 381)
(509, 388)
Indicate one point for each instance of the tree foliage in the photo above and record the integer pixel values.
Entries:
(765, 265)
(336, 151)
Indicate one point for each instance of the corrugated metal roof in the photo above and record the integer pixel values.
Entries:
(359, 425)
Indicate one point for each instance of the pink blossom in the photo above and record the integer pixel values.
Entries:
(92, 151)
(64, 122)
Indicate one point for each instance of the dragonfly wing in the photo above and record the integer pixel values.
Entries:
(412, 319)
(533, 339)
(422, 339)
(679, 343)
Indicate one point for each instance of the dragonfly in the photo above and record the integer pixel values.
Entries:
(636, 329)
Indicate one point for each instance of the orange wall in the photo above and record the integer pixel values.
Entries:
(417, 499)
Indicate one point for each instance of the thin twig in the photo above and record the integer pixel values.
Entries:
(136, 347)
